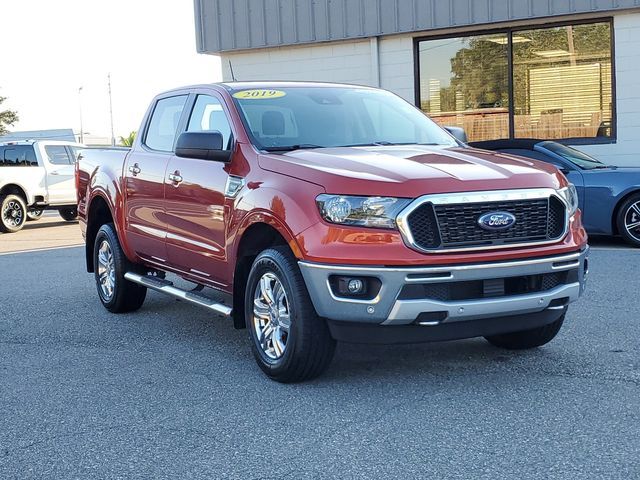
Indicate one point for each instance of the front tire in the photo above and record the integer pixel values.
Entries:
(523, 340)
(289, 341)
(68, 214)
(117, 294)
(629, 220)
(13, 213)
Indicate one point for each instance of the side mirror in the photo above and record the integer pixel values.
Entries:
(203, 146)
(458, 133)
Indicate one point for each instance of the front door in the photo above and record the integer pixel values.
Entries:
(144, 175)
(60, 170)
(195, 200)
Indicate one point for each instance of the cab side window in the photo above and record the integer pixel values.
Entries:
(208, 116)
(19, 156)
(162, 129)
(57, 155)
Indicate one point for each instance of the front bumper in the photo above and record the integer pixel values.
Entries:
(389, 307)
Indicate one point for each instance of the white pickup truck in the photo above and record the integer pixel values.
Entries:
(36, 175)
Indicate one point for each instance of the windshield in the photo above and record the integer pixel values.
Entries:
(289, 118)
(576, 157)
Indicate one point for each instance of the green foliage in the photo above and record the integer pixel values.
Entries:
(128, 140)
(7, 118)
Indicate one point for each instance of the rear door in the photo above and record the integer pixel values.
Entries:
(195, 204)
(60, 174)
(20, 166)
(144, 174)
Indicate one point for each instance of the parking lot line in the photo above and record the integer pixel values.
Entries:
(32, 250)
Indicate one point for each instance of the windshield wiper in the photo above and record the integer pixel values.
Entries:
(291, 148)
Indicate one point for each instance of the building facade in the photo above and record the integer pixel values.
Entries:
(561, 69)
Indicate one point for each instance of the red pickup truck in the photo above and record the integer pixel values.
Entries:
(314, 213)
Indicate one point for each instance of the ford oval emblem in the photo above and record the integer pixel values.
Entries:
(496, 220)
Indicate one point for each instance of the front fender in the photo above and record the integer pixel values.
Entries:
(284, 203)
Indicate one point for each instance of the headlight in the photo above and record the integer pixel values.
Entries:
(375, 212)
(570, 196)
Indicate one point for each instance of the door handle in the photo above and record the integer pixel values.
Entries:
(175, 177)
(134, 169)
(54, 173)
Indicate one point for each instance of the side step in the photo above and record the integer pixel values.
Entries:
(167, 287)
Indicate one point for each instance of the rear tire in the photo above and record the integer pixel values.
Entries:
(289, 341)
(68, 214)
(523, 340)
(34, 215)
(13, 213)
(117, 294)
(628, 216)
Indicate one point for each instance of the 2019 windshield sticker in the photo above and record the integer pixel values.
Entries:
(259, 94)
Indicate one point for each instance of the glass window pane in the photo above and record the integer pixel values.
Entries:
(164, 123)
(207, 116)
(57, 154)
(562, 82)
(335, 117)
(20, 156)
(464, 83)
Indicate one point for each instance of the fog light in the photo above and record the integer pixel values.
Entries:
(355, 286)
(363, 288)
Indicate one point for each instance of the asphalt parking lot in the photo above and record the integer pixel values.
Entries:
(172, 392)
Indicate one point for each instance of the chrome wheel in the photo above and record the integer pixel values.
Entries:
(13, 214)
(632, 220)
(106, 270)
(271, 316)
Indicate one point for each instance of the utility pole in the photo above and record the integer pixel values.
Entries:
(80, 105)
(113, 138)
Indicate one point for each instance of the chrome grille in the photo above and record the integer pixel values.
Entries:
(441, 223)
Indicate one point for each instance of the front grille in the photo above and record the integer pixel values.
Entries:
(456, 225)
(490, 288)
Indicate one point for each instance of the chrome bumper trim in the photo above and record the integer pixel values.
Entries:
(404, 310)
(386, 309)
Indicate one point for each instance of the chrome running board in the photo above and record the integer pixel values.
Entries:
(167, 287)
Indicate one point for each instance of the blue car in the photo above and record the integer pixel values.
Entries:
(609, 196)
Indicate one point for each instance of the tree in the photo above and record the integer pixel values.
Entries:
(7, 118)
(128, 140)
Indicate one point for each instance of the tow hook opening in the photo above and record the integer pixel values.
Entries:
(558, 303)
(430, 318)
(586, 267)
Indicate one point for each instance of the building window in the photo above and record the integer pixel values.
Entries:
(552, 83)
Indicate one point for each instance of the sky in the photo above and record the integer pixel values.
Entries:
(51, 48)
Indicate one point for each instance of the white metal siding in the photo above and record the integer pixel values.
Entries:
(223, 25)
(626, 150)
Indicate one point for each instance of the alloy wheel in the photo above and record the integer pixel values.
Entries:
(271, 316)
(106, 270)
(12, 214)
(632, 220)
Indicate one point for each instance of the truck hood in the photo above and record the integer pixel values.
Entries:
(411, 171)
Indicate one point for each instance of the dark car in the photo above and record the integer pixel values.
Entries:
(609, 196)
